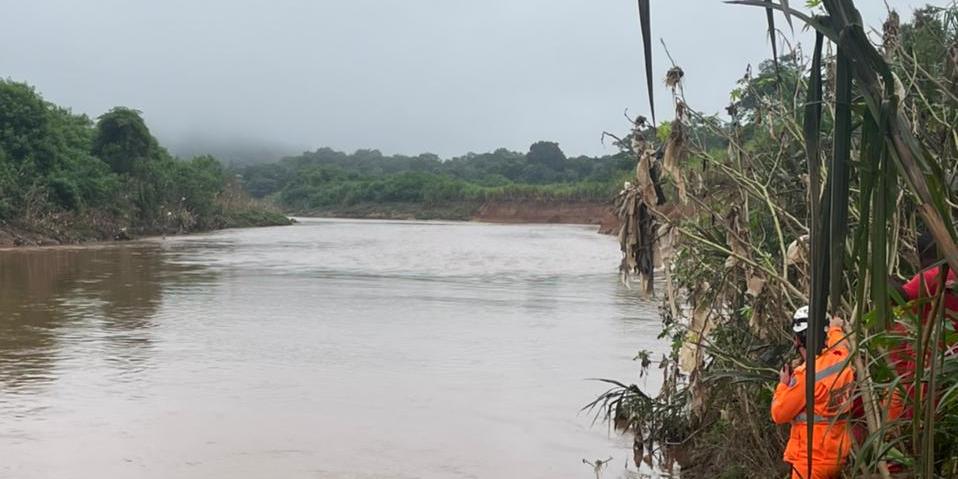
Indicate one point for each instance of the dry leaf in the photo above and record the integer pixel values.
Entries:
(797, 252)
(755, 285)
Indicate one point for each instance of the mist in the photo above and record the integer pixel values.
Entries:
(257, 80)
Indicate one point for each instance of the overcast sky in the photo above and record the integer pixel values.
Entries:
(403, 76)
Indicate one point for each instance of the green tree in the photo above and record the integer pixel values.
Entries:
(547, 154)
(123, 140)
(25, 130)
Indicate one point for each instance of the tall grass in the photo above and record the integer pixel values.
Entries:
(878, 159)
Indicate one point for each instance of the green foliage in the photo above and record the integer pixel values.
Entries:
(327, 179)
(26, 133)
(45, 147)
(546, 154)
(53, 162)
(8, 188)
(123, 141)
(64, 192)
(663, 131)
(750, 95)
(199, 182)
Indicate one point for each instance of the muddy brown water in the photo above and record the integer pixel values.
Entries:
(353, 349)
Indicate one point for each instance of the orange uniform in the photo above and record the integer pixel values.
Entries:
(831, 441)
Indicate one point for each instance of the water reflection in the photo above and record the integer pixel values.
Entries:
(99, 302)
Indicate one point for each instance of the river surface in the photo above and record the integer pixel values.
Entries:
(328, 349)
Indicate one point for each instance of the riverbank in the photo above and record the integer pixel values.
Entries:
(544, 211)
(460, 211)
(500, 211)
(89, 227)
(73, 228)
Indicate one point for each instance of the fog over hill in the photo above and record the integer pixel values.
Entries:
(404, 77)
(235, 151)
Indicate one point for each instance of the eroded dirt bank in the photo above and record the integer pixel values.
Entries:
(500, 211)
(532, 211)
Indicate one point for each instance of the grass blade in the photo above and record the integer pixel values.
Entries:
(814, 22)
(770, 18)
(645, 21)
(938, 319)
(813, 122)
(836, 217)
(819, 214)
(871, 175)
(869, 171)
(839, 177)
(878, 158)
(788, 16)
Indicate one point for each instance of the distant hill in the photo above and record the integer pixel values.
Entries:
(236, 151)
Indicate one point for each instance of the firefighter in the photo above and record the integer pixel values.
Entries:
(834, 381)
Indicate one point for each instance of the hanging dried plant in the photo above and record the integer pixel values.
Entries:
(676, 152)
(633, 206)
(674, 77)
(951, 68)
(891, 34)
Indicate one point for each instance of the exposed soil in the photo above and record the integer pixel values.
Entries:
(504, 211)
(533, 211)
(517, 211)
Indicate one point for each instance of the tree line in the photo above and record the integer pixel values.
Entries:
(327, 178)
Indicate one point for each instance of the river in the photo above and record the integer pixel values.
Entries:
(327, 349)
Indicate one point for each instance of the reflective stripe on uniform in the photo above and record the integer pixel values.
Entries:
(830, 371)
(820, 375)
(801, 418)
(824, 373)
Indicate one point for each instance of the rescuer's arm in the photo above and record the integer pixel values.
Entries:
(837, 339)
(789, 398)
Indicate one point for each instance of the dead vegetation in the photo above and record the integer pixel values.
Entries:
(814, 193)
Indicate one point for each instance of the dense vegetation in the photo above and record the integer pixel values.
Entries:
(65, 177)
(330, 181)
(834, 166)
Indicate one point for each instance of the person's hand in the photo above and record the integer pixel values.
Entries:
(836, 322)
(785, 375)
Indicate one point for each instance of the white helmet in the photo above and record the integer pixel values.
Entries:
(800, 320)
